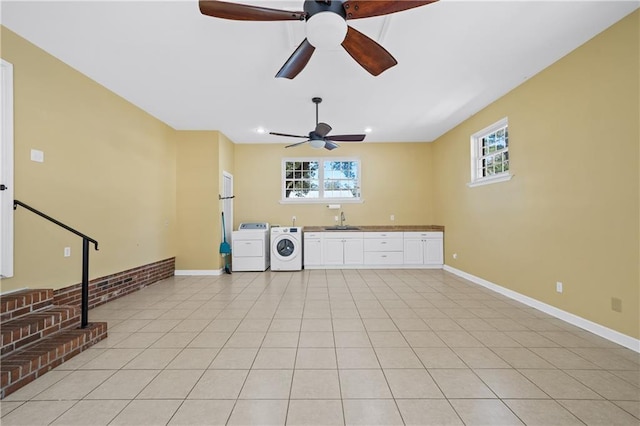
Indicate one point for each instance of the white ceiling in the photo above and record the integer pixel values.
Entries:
(195, 72)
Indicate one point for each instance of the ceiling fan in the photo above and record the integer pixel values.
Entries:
(318, 138)
(326, 27)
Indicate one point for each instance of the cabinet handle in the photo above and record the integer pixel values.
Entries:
(384, 242)
(384, 255)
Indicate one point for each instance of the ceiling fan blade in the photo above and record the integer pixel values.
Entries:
(369, 54)
(288, 135)
(357, 9)
(296, 144)
(330, 145)
(346, 138)
(245, 12)
(322, 129)
(297, 61)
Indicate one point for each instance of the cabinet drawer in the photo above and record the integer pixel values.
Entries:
(348, 235)
(384, 235)
(423, 235)
(383, 258)
(383, 244)
(311, 235)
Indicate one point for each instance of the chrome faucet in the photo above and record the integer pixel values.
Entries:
(342, 219)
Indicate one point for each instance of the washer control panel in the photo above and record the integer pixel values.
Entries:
(250, 226)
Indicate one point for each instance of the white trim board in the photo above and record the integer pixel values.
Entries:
(198, 272)
(597, 329)
(6, 169)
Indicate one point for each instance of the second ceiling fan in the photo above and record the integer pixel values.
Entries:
(326, 19)
(318, 138)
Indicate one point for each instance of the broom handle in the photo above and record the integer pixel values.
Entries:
(224, 231)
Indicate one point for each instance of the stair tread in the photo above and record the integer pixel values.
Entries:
(24, 365)
(27, 329)
(45, 345)
(37, 316)
(16, 304)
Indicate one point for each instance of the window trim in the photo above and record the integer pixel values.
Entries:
(475, 155)
(319, 200)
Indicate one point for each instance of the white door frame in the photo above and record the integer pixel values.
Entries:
(227, 204)
(6, 169)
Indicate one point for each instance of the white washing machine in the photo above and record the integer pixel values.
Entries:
(286, 248)
(250, 248)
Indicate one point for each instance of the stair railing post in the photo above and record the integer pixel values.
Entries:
(84, 321)
(85, 283)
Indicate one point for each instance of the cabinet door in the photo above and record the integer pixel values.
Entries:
(312, 251)
(433, 253)
(332, 251)
(353, 251)
(413, 251)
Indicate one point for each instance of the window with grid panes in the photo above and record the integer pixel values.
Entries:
(318, 179)
(490, 154)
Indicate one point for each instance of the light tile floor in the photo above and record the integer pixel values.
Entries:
(361, 347)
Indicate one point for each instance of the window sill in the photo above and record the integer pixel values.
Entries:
(322, 201)
(490, 180)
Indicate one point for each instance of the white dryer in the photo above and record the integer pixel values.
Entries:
(250, 247)
(286, 249)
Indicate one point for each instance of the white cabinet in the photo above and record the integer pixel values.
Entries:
(369, 249)
(312, 248)
(333, 251)
(423, 248)
(342, 248)
(383, 248)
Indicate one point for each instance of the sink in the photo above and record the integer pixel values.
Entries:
(342, 228)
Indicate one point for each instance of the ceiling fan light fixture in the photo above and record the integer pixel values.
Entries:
(316, 143)
(326, 30)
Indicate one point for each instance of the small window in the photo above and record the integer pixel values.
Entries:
(490, 154)
(320, 179)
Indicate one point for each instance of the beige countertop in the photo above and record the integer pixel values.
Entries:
(381, 228)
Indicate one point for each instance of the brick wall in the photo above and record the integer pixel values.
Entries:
(104, 289)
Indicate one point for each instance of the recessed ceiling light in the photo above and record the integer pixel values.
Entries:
(261, 130)
(368, 130)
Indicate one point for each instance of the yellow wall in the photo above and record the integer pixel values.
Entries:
(571, 213)
(396, 179)
(147, 192)
(202, 156)
(109, 171)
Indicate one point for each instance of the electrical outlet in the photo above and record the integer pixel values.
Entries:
(455, 255)
(293, 218)
(392, 217)
(37, 156)
(559, 287)
(67, 251)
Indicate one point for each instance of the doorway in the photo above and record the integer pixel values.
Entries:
(227, 204)
(6, 170)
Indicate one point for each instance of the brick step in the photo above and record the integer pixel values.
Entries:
(14, 305)
(25, 365)
(26, 329)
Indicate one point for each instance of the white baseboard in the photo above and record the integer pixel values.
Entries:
(198, 272)
(600, 330)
